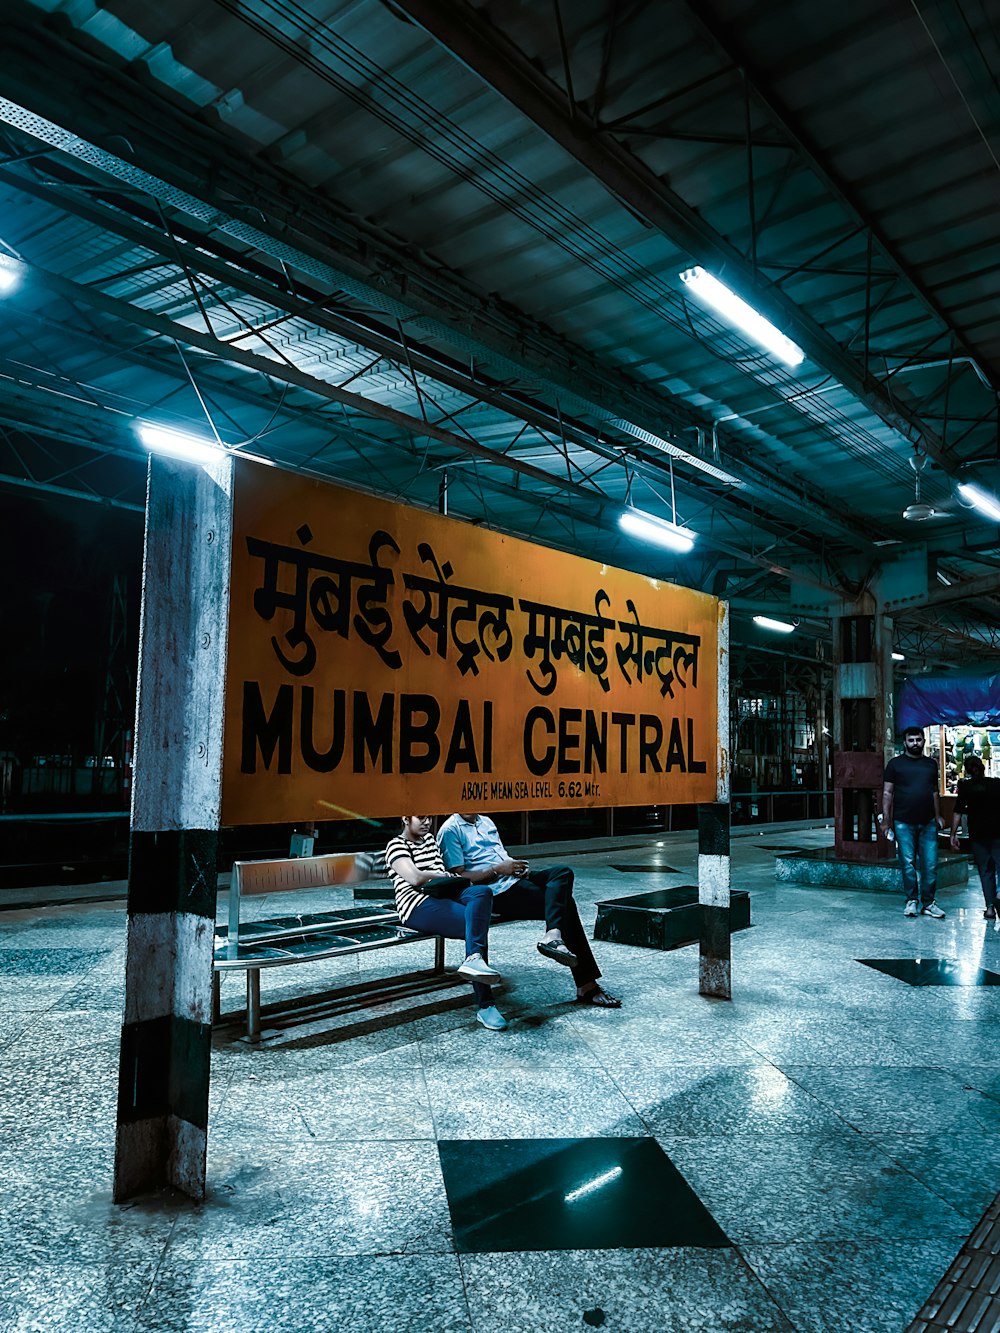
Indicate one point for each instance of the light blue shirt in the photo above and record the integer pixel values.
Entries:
(475, 846)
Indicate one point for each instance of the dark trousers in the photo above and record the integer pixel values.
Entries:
(466, 916)
(986, 854)
(547, 895)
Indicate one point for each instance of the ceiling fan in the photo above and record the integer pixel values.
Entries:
(920, 510)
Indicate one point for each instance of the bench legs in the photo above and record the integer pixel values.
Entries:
(253, 1003)
(253, 992)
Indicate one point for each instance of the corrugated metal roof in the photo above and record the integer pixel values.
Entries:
(426, 233)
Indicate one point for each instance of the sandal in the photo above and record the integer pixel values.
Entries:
(557, 951)
(600, 999)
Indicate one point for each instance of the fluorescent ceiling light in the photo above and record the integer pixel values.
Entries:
(766, 622)
(658, 531)
(899, 657)
(161, 440)
(980, 499)
(742, 316)
(11, 270)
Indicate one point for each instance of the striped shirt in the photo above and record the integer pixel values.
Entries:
(425, 855)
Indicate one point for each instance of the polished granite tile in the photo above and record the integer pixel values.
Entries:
(57, 1032)
(365, 1294)
(328, 1104)
(896, 1101)
(96, 991)
(74, 1101)
(963, 1168)
(933, 971)
(58, 1296)
(21, 962)
(789, 1039)
(315, 1200)
(659, 1040)
(812, 1188)
(851, 1287)
(74, 1220)
(534, 1039)
(12, 1025)
(37, 1156)
(29, 994)
(66, 933)
(310, 1049)
(735, 1101)
(623, 1291)
(570, 1194)
(554, 1102)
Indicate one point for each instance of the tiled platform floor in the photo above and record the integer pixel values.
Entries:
(840, 1126)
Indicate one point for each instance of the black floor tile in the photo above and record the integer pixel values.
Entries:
(570, 1194)
(933, 971)
(657, 869)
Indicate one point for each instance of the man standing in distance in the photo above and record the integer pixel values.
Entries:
(979, 798)
(911, 809)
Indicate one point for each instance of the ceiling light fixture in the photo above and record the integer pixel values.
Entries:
(765, 622)
(980, 499)
(193, 448)
(741, 315)
(692, 459)
(899, 657)
(11, 270)
(658, 531)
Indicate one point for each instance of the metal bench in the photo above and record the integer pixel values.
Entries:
(302, 937)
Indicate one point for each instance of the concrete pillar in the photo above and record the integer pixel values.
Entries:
(714, 961)
(167, 1027)
(862, 730)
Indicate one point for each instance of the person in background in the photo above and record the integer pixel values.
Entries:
(429, 899)
(471, 846)
(979, 801)
(912, 813)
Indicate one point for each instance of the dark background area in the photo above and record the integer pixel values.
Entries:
(60, 560)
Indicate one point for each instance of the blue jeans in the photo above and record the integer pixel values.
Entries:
(918, 854)
(466, 916)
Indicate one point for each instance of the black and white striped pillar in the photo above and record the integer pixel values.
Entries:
(176, 800)
(714, 961)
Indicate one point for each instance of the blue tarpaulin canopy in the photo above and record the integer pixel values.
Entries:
(971, 696)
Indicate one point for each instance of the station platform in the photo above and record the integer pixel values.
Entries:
(814, 1155)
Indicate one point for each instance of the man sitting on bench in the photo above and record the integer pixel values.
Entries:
(471, 846)
(430, 900)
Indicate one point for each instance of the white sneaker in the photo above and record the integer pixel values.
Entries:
(911, 907)
(476, 970)
(491, 1018)
(932, 909)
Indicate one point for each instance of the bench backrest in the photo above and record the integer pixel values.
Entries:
(293, 874)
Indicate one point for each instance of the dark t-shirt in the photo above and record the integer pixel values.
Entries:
(980, 799)
(914, 782)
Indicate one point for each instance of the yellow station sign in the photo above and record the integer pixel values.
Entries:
(383, 660)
